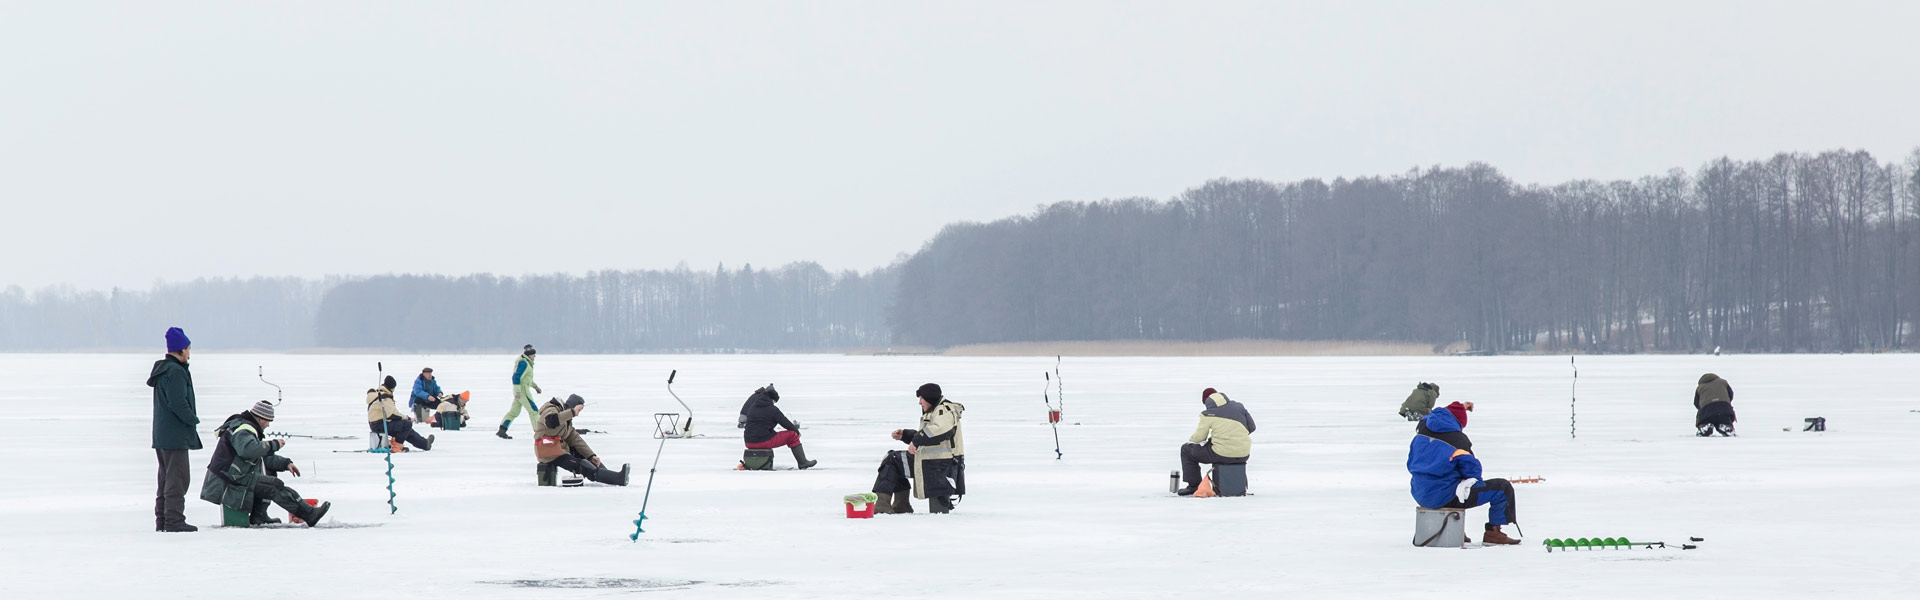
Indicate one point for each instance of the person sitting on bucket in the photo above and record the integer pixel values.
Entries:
(1446, 474)
(1223, 437)
(242, 475)
(1420, 402)
(384, 416)
(1713, 406)
(556, 421)
(939, 450)
(762, 415)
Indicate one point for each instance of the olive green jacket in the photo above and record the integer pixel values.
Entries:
(233, 487)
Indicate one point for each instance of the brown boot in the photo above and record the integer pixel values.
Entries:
(902, 503)
(1494, 536)
(884, 505)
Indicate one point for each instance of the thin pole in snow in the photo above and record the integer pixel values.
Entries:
(1573, 399)
(637, 527)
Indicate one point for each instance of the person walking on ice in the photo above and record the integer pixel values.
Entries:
(1713, 406)
(523, 390)
(1446, 474)
(243, 472)
(1225, 436)
(174, 418)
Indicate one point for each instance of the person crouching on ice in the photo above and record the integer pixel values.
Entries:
(1447, 475)
(1713, 406)
(1225, 436)
(384, 416)
(762, 415)
(556, 421)
(939, 450)
(1420, 402)
(243, 473)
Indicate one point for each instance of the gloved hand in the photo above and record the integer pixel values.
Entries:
(1464, 491)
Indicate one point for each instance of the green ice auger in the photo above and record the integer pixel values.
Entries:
(1601, 543)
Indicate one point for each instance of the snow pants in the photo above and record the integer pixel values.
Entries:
(586, 468)
(170, 496)
(399, 429)
(1498, 494)
(1714, 413)
(1191, 455)
(519, 402)
(786, 439)
(270, 489)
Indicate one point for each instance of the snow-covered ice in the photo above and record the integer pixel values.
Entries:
(1785, 514)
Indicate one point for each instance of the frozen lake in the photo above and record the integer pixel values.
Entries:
(1785, 514)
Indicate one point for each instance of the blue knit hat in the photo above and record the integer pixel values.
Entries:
(177, 340)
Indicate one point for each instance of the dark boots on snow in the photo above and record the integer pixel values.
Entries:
(800, 456)
(940, 505)
(428, 445)
(502, 433)
(893, 504)
(609, 476)
(1495, 537)
(315, 513)
(1189, 490)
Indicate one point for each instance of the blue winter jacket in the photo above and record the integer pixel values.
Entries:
(1436, 465)
(422, 391)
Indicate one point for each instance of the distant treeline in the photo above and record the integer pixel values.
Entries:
(799, 306)
(258, 313)
(1794, 253)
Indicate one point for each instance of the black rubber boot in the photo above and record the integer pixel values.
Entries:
(503, 431)
(316, 513)
(883, 505)
(259, 515)
(428, 445)
(608, 476)
(800, 456)
(940, 505)
(903, 503)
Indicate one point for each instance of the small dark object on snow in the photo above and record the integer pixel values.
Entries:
(1816, 424)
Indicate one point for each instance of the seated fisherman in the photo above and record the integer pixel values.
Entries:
(242, 474)
(556, 421)
(1713, 406)
(762, 415)
(384, 416)
(1446, 474)
(426, 395)
(1223, 437)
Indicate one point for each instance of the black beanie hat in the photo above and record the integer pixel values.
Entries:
(390, 384)
(528, 350)
(572, 401)
(929, 392)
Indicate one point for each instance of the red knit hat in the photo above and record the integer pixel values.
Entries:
(1206, 393)
(1459, 413)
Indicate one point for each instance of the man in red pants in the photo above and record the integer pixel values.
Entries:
(762, 415)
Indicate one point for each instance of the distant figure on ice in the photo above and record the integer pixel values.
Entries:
(174, 417)
(523, 390)
(1447, 475)
(244, 472)
(427, 398)
(939, 450)
(762, 415)
(556, 421)
(1225, 436)
(1713, 406)
(1420, 402)
(384, 416)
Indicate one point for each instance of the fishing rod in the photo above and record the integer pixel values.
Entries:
(1053, 416)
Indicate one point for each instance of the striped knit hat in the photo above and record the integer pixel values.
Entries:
(262, 409)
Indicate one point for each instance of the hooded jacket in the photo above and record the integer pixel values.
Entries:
(381, 406)
(1421, 401)
(1712, 389)
(940, 441)
(1439, 458)
(1226, 425)
(556, 421)
(174, 413)
(762, 414)
(238, 463)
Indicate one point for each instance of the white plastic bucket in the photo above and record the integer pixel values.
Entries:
(1439, 527)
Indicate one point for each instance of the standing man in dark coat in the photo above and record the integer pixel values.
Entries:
(174, 418)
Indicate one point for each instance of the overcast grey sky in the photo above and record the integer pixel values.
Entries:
(143, 141)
